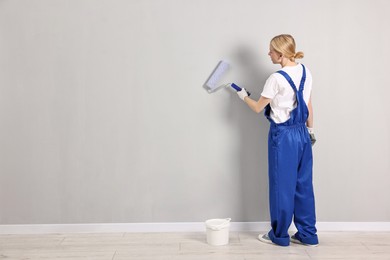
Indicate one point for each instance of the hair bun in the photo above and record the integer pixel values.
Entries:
(298, 55)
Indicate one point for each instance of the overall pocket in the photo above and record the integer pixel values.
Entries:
(275, 136)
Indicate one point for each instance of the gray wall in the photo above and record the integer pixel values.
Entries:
(103, 117)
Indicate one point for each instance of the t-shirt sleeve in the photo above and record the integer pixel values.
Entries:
(271, 88)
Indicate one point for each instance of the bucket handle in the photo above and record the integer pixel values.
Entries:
(222, 225)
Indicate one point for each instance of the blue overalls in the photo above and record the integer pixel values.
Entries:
(290, 162)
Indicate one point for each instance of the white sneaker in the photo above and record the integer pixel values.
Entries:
(265, 239)
(294, 240)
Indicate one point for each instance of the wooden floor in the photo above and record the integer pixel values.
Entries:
(141, 246)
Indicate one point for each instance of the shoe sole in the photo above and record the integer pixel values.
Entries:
(260, 237)
(296, 241)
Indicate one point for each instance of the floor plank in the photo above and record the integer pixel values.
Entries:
(189, 246)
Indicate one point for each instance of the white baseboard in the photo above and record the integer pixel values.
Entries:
(178, 227)
(353, 226)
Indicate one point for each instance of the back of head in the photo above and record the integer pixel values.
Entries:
(285, 45)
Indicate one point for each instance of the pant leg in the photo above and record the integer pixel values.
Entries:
(304, 213)
(283, 162)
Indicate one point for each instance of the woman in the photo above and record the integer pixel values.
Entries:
(287, 103)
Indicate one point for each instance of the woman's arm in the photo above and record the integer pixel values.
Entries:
(309, 122)
(259, 105)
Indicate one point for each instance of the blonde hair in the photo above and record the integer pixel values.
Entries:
(284, 44)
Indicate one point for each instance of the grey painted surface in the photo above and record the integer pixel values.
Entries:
(103, 117)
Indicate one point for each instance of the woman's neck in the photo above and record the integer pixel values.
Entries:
(287, 63)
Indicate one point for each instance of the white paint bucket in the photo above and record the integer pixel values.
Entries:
(218, 231)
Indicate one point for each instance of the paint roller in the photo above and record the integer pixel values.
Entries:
(211, 83)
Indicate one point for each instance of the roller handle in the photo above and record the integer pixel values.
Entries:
(237, 88)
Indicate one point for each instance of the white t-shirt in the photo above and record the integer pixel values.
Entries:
(282, 94)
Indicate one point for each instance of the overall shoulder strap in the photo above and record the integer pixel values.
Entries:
(302, 84)
(288, 78)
